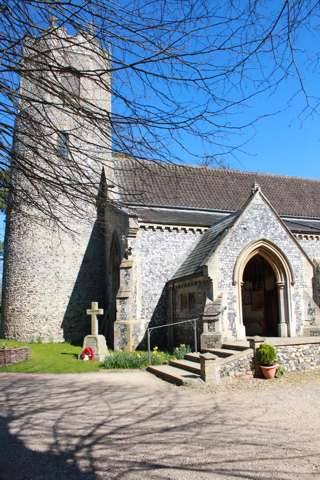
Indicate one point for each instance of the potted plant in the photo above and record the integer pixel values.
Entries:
(266, 357)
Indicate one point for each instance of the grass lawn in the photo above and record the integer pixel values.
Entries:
(62, 358)
(50, 358)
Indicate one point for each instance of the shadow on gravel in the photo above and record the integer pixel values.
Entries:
(19, 462)
(54, 428)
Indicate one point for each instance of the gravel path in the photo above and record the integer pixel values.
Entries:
(130, 425)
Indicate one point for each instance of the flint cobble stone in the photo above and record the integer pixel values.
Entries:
(238, 367)
(299, 358)
(159, 254)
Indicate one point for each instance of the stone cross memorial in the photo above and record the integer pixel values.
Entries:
(94, 340)
(94, 311)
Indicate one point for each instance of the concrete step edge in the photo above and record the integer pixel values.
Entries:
(173, 375)
(193, 357)
(167, 375)
(235, 347)
(190, 366)
(221, 352)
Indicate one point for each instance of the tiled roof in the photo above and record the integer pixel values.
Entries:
(149, 183)
(205, 247)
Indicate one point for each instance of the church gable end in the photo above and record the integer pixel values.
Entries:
(259, 222)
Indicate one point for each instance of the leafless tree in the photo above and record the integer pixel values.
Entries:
(182, 71)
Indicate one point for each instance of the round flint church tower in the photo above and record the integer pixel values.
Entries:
(52, 273)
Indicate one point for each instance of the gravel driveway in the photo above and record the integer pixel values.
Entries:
(129, 425)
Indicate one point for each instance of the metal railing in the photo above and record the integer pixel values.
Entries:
(195, 336)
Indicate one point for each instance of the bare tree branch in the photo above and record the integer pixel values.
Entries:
(179, 70)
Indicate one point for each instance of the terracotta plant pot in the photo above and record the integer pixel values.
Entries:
(268, 372)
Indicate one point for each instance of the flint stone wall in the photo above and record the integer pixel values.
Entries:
(50, 279)
(299, 358)
(198, 289)
(239, 366)
(300, 355)
(311, 247)
(9, 356)
(295, 354)
(158, 253)
(213, 370)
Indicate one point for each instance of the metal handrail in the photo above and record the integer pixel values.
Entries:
(195, 337)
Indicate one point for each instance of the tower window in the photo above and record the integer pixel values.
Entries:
(70, 83)
(63, 144)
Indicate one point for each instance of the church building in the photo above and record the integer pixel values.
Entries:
(166, 244)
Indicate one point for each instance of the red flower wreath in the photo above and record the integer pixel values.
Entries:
(89, 352)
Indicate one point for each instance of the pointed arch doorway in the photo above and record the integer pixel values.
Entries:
(260, 306)
(264, 277)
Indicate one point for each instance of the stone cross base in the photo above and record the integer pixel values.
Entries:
(98, 343)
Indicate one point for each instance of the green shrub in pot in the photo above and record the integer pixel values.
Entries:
(266, 355)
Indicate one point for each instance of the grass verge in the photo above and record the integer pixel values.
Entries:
(63, 358)
(50, 358)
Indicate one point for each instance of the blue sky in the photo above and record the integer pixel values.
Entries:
(287, 142)
(284, 145)
(286, 139)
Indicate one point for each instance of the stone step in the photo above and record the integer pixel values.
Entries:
(173, 374)
(188, 365)
(193, 357)
(238, 346)
(221, 352)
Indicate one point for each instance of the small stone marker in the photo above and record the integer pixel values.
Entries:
(96, 341)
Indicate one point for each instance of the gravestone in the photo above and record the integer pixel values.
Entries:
(94, 340)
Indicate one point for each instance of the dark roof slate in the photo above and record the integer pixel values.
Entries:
(207, 219)
(205, 247)
(303, 226)
(176, 217)
(150, 183)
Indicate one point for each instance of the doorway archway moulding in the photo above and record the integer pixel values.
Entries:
(270, 252)
(284, 280)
